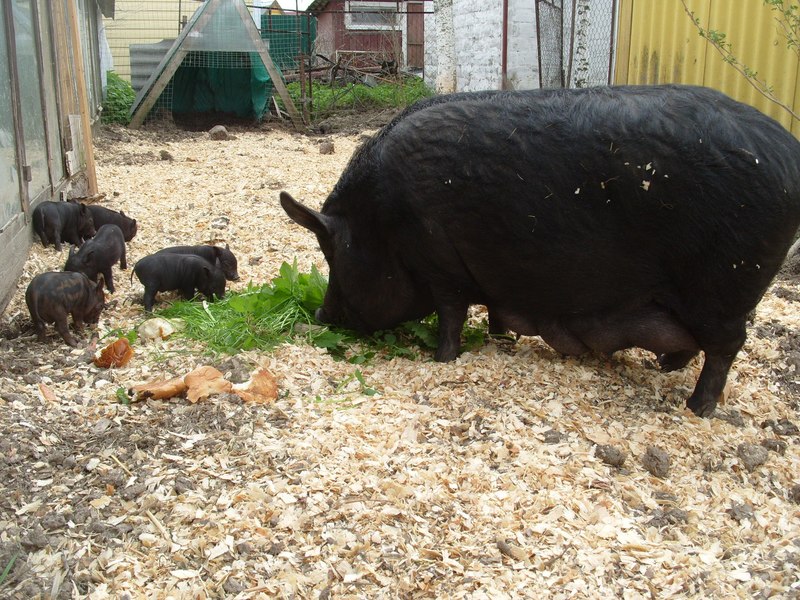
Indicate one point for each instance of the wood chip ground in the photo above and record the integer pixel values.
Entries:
(475, 479)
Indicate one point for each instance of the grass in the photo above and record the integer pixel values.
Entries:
(263, 317)
(328, 99)
(9, 566)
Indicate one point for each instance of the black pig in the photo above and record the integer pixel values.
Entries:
(104, 216)
(186, 273)
(56, 222)
(52, 296)
(216, 255)
(99, 254)
(599, 219)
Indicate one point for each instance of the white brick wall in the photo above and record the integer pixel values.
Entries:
(523, 62)
(478, 45)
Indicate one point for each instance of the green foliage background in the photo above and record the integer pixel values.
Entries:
(119, 99)
(327, 99)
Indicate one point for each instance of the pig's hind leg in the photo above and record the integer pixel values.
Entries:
(188, 292)
(41, 329)
(63, 328)
(109, 280)
(149, 298)
(720, 352)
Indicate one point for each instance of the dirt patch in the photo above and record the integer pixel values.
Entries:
(512, 472)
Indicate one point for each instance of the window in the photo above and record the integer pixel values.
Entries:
(372, 15)
(9, 184)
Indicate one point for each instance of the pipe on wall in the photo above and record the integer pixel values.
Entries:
(504, 56)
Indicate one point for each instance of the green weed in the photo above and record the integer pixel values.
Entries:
(118, 101)
(9, 566)
(327, 99)
(263, 317)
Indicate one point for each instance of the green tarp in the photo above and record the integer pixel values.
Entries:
(242, 92)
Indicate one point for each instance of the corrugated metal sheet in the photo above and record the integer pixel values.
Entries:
(658, 43)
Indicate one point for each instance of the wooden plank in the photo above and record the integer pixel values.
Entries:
(83, 100)
(273, 71)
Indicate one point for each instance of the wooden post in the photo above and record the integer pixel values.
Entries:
(83, 100)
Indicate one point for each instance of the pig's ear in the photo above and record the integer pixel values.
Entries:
(101, 281)
(308, 218)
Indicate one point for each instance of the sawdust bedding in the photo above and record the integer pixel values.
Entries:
(511, 472)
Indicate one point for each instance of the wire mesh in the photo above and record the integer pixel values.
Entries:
(590, 49)
(550, 30)
(218, 53)
(575, 38)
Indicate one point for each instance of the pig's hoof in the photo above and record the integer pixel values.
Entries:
(700, 407)
(445, 354)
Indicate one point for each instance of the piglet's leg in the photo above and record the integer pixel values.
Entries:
(123, 259)
(109, 279)
(63, 329)
(451, 321)
(39, 326)
(149, 298)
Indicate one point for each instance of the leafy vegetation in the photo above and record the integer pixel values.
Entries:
(119, 99)
(787, 16)
(262, 317)
(327, 99)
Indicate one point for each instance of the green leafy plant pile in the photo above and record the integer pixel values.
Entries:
(326, 99)
(119, 99)
(283, 311)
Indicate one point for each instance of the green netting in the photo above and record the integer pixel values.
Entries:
(289, 36)
(222, 72)
(240, 88)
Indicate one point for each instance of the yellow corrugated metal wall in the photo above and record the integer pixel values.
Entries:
(657, 43)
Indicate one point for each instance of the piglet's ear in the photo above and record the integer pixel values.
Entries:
(71, 251)
(308, 218)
